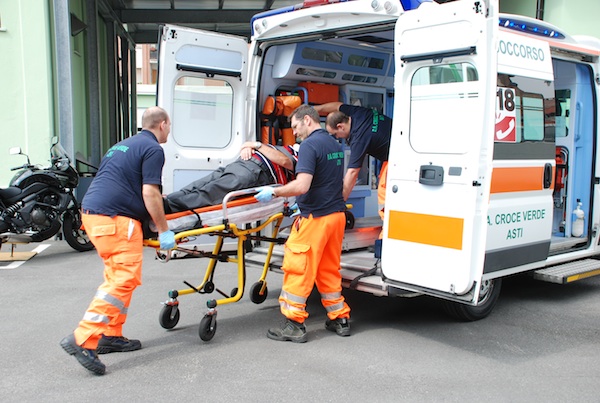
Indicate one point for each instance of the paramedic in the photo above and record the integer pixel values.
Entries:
(367, 132)
(125, 191)
(314, 246)
(259, 164)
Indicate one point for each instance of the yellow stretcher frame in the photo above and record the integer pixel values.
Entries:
(169, 315)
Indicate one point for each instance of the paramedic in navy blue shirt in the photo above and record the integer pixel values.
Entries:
(125, 192)
(367, 132)
(314, 246)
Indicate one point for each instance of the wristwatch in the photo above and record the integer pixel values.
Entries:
(257, 145)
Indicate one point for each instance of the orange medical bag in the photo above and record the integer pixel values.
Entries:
(276, 129)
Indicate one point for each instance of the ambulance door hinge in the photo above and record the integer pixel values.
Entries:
(476, 183)
(596, 181)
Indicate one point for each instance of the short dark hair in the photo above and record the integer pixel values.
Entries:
(305, 110)
(335, 118)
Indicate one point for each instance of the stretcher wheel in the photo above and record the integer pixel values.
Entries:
(255, 295)
(233, 292)
(208, 287)
(169, 316)
(208, 327)
(349, 219)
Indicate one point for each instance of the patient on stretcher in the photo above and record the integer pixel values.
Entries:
(259, 165)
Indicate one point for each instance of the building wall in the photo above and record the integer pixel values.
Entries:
(80, 80)
(26, 79)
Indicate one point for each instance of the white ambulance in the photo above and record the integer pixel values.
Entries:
(493, 168)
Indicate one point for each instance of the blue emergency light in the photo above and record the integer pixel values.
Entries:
(412, 4)
(535, 28)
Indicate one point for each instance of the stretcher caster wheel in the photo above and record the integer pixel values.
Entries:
(208, 287)
(208, 327)
(233, 292)
(169, 316)
(349, 220)
(255, 295)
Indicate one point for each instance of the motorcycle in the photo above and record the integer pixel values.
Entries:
(40, 201)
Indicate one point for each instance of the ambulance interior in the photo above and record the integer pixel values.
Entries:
(358, 69)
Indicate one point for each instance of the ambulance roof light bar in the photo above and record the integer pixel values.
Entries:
(412, 4)
(535, 28)
(283, 10)
(387, 5)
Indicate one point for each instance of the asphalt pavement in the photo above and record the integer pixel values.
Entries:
(539, 344)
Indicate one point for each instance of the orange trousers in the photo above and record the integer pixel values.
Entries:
(381, 192)
(119, 242)
(312, 256)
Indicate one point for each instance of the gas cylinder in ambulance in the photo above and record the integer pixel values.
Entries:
(577, 227)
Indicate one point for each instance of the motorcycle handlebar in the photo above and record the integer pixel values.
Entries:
(25, 166)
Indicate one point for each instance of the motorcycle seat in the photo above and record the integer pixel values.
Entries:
(10, 192)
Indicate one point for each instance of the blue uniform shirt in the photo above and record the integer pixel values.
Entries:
(322, 156)
(370, 133)
(117, 187)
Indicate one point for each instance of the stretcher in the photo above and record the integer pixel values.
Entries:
(240, 217)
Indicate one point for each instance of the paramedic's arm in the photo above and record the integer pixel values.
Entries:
(327, 108)
(297, 187)
(350, 181)
(154, 204)
(276, 156)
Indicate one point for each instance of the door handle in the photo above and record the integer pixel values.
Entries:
(547, 175)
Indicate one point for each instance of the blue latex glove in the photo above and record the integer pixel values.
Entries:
(265, 194)
(295, 209)
(167, 239)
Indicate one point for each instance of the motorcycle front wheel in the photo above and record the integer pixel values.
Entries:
(74, 235)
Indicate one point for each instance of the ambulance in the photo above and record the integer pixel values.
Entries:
(493, 169)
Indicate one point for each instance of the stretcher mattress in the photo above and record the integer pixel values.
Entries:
(239, 212)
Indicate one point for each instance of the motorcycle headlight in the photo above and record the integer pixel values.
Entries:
(62, 164)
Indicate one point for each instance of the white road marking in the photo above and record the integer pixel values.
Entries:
(16, 264)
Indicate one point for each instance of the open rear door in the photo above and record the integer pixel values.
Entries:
(441, 151)
(202, 84)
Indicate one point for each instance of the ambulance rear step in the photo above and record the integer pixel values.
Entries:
(364, 233)
(353, 265)
(569, 272)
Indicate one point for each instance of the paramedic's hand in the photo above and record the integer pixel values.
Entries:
(167, 239)
(295, 209)
(265, 194)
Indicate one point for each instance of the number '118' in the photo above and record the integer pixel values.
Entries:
(506, 99)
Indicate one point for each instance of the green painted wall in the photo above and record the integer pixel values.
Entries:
(80, 79)
(26, 100)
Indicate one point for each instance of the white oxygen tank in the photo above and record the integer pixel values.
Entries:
(578, 214)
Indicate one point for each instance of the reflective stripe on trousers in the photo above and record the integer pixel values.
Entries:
(119, 242)
(312, 256)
